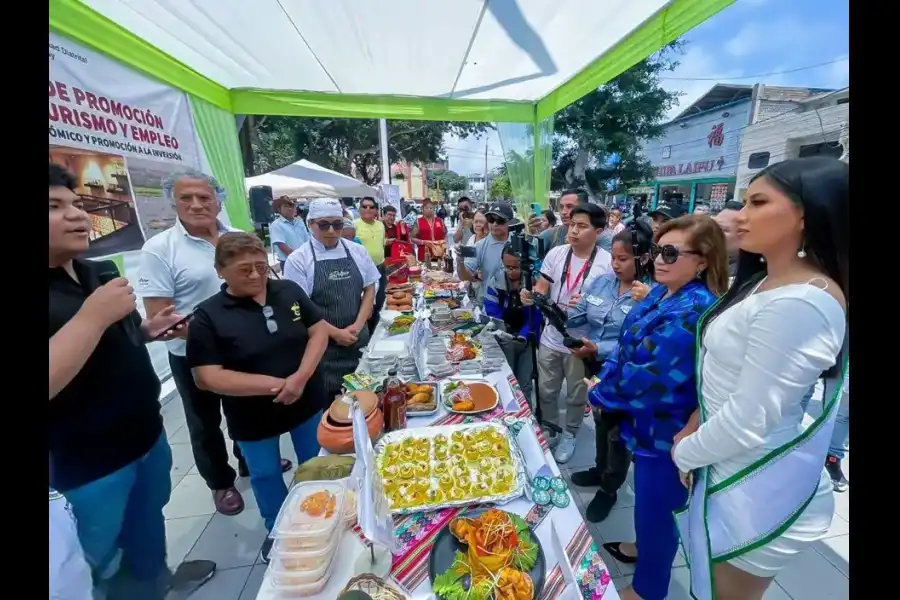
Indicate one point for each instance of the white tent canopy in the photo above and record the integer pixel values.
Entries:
(387, 56)
(502, 49)
(305, 179)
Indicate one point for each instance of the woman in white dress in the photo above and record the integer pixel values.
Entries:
(760, 493)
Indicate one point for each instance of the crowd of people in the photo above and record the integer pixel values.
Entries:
(701, 340)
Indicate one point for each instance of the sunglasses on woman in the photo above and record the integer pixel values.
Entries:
(669, 253)
(496, 220)
(325, 225)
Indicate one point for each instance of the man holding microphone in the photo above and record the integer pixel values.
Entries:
(108, 451)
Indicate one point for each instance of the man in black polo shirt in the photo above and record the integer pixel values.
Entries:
(108, 451)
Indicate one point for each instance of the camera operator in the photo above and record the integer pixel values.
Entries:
(488, 259)
(565, 272)
(464, 231)
(502, 301)
(603, 307)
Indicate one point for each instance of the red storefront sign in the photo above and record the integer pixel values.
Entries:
(691, 168)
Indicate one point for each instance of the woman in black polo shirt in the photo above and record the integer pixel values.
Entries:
(257, 343)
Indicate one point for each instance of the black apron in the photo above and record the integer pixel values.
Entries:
(337, 290)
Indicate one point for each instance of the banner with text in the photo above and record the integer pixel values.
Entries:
(120, 134)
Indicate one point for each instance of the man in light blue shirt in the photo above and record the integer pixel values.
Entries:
(287, 232)
(488, 259)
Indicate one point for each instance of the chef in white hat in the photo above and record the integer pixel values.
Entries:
(341, 278)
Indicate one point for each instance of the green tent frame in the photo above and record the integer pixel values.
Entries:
(81, 23)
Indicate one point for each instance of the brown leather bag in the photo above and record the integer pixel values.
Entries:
(438, 249)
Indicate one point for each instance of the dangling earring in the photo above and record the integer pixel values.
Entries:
(801, 253)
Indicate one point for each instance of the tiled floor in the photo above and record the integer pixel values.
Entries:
(195, 531)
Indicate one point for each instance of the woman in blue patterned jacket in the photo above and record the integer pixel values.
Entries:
(650, 379)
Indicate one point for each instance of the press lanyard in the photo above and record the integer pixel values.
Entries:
(582, 274)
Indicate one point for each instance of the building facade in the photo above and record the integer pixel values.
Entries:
(818, 125)
(695, 162)
(698, 158)
(412, 179)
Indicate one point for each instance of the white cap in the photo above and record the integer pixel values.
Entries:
(324, 208)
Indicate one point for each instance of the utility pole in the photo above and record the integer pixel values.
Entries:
(485, 169)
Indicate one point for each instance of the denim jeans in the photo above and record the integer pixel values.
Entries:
(264, 461)
(518, 355)
(840, 437)
(120, 521)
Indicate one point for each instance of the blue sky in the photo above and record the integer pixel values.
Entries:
(752, 37)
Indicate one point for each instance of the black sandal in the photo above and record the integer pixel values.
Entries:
(613, 549)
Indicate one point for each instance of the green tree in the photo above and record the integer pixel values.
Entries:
(445, 182)
(598, 138)
(345, 145)
(500, 188)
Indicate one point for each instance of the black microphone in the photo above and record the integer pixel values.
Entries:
(131, 324)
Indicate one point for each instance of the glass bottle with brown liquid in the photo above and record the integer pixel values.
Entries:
(394, 403)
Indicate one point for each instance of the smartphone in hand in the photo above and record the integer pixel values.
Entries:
(172, 328)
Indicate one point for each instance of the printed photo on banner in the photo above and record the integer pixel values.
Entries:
(101, 180)
(147, 176)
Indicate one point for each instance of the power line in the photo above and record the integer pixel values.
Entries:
(760, 75)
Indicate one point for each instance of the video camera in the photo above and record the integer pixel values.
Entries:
(555, 317)
(529, 249)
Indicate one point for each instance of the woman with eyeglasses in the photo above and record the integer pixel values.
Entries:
(650, 380)
(760, 493)
(257, 343)
(340, 277)
(603, 308)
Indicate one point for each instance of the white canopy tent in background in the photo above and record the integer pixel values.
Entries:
(305, 179)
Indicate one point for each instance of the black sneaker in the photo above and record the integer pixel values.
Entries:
(266, 549)
(833, 466)
(600, 506)
(589, 478)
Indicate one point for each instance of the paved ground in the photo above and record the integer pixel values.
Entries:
(195, 531)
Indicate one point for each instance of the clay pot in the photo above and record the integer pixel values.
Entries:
(338, 439)
(339, 411)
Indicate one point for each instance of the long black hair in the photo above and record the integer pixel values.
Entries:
(637, 238)
(821, 187)
(506, 295)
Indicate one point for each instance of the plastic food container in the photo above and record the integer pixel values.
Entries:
(297, 530)
(349, 509)
(287, 585)
(303, 566)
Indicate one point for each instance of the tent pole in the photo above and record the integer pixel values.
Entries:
(385, 159)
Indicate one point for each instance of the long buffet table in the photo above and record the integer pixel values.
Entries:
(416, 532)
